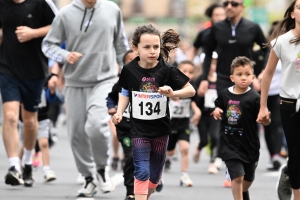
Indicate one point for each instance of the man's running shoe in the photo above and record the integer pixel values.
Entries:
(284, 189)
(49, 176)
(105, 183)
(89, 189)
(159, 186)
(27, 176)
(168, 164)
(13, 177)
(185, 181)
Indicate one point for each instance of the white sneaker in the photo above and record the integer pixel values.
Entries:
(185, 181)
(218, 163)
(89, 189)
(80, 179)
(105, 183)
(212, 169)
(49, 175)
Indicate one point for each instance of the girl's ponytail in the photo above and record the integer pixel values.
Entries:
(169, 41)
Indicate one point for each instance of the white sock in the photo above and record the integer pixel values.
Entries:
(15, 161)
(46, 168)
(27, 157)
(184, 173)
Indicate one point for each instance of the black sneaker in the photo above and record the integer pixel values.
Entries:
(130, 197)
(284, 189)
(168, 164)
(159, 186)
(13, 177)
(27, 176)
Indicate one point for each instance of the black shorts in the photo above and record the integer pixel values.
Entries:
(27, 92)
(236, 168)
(178, 135)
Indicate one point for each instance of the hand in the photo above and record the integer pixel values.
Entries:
(73, 57)
(166, 91)
(117, 118)
(195, 119)
(202, 88)
(112, 111)
(264, 116)
(256, 85)
(25, 33)
(52, 83)
(217, 114)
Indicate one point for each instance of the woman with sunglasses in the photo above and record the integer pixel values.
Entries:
(284, 42)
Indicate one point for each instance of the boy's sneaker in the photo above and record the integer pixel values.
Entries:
(196, 156)
(36, 162)
(105, 183)
(284, 189)
(185, 181)
(49, 175)
(80, 179)
(159, 186)
(277, 162)
(168, 164)
(212, 169)
(114, 164)
(130, 197)
(89, 189)
(227, 183)
(27, 176)
(13, 177)
(218, 163)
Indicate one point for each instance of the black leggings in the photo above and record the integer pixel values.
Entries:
(274, 132)
(208, 126)
(291, 126)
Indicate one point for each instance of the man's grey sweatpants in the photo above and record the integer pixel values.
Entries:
(87, 125)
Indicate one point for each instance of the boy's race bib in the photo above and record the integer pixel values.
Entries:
(210, 97)
(180, 108)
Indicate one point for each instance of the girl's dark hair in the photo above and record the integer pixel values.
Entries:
(210, 10)
(168, 40)
(125, 55)
(241, 61)
(285, 25)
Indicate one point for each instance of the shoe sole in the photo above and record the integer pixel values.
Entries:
(28, 184)
(12, 180)
(50, 179)
(86, 195)
(185, 185)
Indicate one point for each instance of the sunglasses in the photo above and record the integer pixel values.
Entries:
(233, 3)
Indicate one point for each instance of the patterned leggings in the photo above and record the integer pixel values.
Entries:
(149, 156)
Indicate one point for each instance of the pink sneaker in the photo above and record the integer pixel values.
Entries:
(36, 160)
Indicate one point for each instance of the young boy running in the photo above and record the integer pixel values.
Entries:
(237, 107)
(180, 122)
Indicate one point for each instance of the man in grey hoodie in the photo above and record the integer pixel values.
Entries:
(93, 32)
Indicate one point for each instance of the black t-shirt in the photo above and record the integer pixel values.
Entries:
(229, 47)
(200, 40)
(239, 131)
(137, 79)
(24, 61)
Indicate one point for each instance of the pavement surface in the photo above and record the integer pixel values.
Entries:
(206, 186)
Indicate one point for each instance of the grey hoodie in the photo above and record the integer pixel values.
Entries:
(97, 33)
